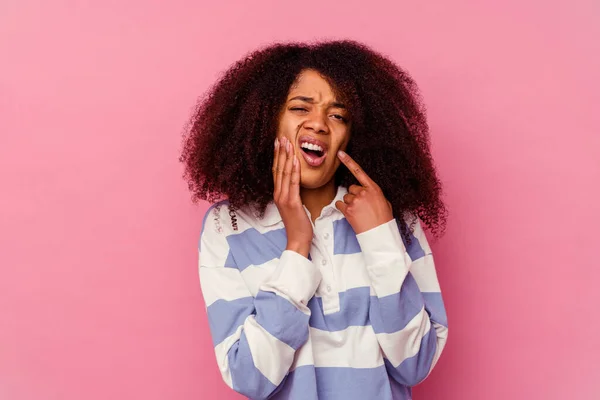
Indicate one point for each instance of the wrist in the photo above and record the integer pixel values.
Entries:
(301, 248)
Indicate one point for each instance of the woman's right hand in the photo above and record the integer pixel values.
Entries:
(286, 177)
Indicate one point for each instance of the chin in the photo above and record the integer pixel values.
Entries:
(310, 184)
(314, 183)
(314, 179)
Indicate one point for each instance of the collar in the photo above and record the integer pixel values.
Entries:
(273, 217)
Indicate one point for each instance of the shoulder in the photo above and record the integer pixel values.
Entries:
(222, 219)
(211, 223)
(220, 224)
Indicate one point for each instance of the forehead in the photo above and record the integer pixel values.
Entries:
(310, 83)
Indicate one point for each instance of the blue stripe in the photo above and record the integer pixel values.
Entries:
(300, 384)
(254, 248)
(344, 238)
(392, 313)
(387, 314)
(357, 308)
(337, 383)
(354, 311)
(246, 378)
(434, 304)
(281, 319)
(278, 316)
(413, 370)
(224, 317)
(399, 391)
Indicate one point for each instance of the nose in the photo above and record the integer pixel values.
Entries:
(317, 123)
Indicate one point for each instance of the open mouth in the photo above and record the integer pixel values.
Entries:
(314, 151)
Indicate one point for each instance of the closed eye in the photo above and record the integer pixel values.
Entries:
(336, 116)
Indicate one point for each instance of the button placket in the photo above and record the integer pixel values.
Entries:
(328, 279)
(323, 237)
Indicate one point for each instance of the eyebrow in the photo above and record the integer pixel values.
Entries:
(310, 100)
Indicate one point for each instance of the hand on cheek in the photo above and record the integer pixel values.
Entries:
(286, 194)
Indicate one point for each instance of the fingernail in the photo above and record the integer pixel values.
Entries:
(288, 146)
(295, 161)
(276, 142)
(341, 154)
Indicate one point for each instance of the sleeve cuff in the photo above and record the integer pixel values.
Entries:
(382, 240)
(295, 278)
(386, 257)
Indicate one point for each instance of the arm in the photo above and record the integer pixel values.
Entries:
(407, 312)
(254, 339)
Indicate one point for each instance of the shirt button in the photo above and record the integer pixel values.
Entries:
(326, 236)
(329, 288)
(323, 262)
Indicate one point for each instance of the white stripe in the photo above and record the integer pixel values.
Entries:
(442, 336)
(423, 270)
(246, 220)
(222, 283)
(350, 271)
(387, 277)
(354, 347)
(304, 355)
(255, 275)
(271, 356)
(405, 343)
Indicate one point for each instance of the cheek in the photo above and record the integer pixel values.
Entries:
(343, 141)
(287, 127)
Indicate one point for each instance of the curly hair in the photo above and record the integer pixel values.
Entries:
(228, 144)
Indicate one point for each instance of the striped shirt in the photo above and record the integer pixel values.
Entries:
(361, 318)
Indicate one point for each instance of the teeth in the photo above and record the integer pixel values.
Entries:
(311, 146)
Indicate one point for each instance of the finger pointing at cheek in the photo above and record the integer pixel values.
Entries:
(364, 206)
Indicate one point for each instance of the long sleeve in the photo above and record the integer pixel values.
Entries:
(407, 311)
(254, 338)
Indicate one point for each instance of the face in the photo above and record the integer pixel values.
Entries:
(318, 125)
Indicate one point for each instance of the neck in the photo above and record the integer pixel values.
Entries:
(316, 199)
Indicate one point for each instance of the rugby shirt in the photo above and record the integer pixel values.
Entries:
(361, 318)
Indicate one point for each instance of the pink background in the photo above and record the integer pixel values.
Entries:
(99, 295)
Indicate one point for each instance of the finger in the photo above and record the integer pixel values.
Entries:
(349, 198)
(296, 138)
(280, 163)
(356, 170)
(356, 189)
(274, 168)
(295, 180)
(340, 205)
(287, 171)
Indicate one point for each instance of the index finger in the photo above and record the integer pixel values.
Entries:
(356, 170)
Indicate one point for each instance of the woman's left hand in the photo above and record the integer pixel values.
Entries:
(364, 206)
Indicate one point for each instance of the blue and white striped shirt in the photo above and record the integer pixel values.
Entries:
(361, 318)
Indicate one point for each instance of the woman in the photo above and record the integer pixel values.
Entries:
(318, 279)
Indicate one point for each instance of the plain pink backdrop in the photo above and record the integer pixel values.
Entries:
(99, 294)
